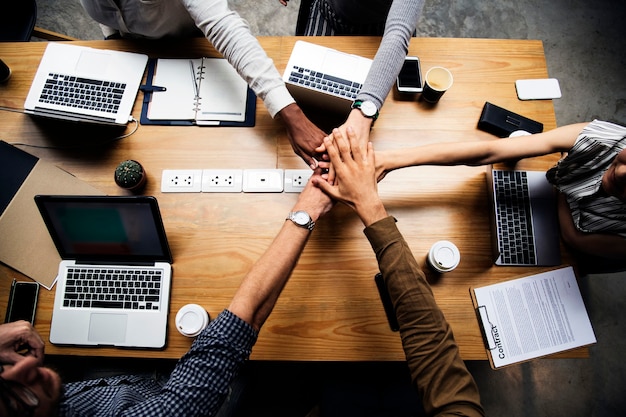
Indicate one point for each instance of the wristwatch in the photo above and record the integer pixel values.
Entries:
(367, 107)
(302, 219)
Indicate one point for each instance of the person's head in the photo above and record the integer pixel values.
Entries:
(27, 389)
(614, 179)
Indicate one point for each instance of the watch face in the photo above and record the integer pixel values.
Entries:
(301, 218)
(368, 108)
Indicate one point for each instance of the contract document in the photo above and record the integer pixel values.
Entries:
(531, 317)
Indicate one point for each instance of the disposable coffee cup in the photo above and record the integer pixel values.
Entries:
(191, 319)
(5, 72)
(443, 256)
(437, 81)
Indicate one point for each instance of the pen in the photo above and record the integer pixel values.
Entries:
(151, 88)
(193, 78)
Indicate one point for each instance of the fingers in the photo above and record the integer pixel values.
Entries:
(19, 339)
(310, 161)
(325, 186)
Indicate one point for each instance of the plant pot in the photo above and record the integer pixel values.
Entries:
(130, 175)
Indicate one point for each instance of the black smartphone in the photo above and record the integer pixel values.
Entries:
(410, 76)
(387, 304)
(22, 301)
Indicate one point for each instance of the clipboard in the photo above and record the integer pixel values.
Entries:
(149, 89)
(532, 317)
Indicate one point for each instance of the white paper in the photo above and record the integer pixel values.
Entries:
(533, 316)
(223, 92)
(177, 102)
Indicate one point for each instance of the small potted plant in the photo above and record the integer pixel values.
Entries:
(130, 175)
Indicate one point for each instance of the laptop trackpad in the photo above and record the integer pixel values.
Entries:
(107, 328)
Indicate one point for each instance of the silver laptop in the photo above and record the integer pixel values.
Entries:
(84, 84)
(324, 77)
(524, 223)
(114, 277)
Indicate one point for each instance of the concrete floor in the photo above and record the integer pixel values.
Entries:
(584, 44)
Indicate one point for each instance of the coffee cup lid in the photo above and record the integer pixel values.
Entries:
(191, 319)
(445, 255)
(517, 133)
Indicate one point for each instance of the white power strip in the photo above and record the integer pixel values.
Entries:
(234, 180)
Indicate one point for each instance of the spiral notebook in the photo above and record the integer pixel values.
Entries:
(199, 91)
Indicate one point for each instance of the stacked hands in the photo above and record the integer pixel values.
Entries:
(350, 174)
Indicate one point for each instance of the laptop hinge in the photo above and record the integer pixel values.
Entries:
(118, 263)
(39, 111)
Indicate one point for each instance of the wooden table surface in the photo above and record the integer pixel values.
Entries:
(330, 309)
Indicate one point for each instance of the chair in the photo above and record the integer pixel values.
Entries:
(17, 24)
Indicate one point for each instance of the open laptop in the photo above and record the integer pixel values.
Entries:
(84, 84)
(524, 223)
(324, 77)
(114, 277)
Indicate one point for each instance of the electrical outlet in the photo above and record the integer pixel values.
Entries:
(222, 180)
(181, 181)
(262, 180)
(296, 179)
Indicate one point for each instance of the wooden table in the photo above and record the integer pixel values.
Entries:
(330, 309)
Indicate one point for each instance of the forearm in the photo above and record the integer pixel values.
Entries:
(481, 152)
(257, 294)
(437, 370)
(231, 36)
(452, 153)
(260, 288)
(399, 27)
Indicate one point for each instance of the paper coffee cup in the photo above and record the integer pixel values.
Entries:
(191, 319)
(444, 256)
(436, 82)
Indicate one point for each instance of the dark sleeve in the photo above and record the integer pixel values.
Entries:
(437, 370)
(200, 382)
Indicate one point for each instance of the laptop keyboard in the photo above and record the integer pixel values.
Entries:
(515, 235)
(82, 93)
(133, 289)
(324, 82)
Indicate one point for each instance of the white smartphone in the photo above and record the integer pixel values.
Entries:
(538, 89)
(410, 76)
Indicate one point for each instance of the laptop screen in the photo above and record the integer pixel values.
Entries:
(105, 229)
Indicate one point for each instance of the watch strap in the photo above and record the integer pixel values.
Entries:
(357, 105)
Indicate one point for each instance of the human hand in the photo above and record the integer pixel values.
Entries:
(355, 182)
(360, 125)
(20, 336)
(313, 200)
(302, 133)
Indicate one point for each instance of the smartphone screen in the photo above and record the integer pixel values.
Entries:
(410, 76)
(22, 301)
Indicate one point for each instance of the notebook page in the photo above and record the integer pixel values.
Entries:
(223, 93)
(177, 102)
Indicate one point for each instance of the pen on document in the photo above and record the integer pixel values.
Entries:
(193, 78)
